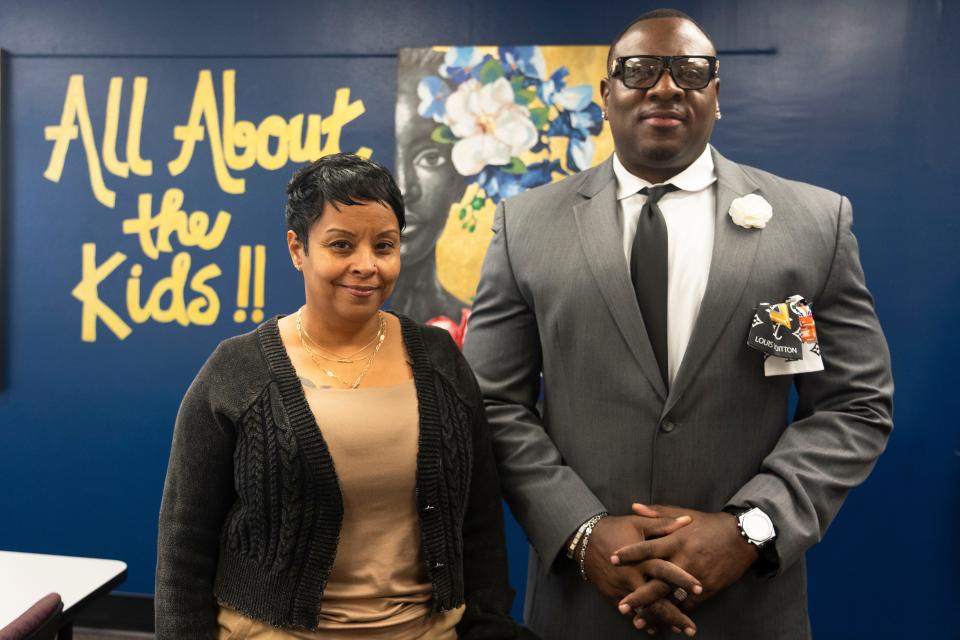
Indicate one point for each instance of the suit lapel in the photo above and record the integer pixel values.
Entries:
(602, 243)
(734, 250)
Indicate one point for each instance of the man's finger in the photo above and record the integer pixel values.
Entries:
(672, 574)
(657, 527)
(647, 593)
(644, 510)
(659, 520)
(667, 613)
(643, 550)
(661, 510)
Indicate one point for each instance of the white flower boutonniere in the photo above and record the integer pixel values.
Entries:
(751, 211)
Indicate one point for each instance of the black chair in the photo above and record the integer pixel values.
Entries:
(39, 622)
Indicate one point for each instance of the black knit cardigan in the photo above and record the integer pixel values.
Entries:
(252, 509)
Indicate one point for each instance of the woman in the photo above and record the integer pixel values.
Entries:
(431, 185)
(331, 474)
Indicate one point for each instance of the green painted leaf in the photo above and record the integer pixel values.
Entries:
(473, 228)
(540, 116)
(524, 96)
(463, 213)
(477, 203)
(490, 71)
(443, 135)
(516, 166)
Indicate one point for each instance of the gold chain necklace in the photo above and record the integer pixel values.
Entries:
(336, 357)
(381, 337)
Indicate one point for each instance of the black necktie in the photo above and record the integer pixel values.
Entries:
(648, 270)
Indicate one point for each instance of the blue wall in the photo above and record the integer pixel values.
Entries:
(860, 97)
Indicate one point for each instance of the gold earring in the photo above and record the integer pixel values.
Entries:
(298, 267)
(719, 115)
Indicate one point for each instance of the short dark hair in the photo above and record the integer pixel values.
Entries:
(340, 178)
(653, 15)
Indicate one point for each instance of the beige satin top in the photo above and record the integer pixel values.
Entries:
(379, 587)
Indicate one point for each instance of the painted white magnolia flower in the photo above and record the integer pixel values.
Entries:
(490, 126)
(751, 211)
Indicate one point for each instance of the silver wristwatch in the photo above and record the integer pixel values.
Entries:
(756, 527)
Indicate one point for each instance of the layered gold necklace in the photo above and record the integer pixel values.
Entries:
(316, 355)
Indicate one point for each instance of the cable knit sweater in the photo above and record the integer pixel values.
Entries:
(251, 509)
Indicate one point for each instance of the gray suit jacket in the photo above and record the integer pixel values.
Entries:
(555, 298)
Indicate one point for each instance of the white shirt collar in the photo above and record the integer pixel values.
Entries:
(697, 176)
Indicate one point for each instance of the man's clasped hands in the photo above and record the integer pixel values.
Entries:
(660, 562)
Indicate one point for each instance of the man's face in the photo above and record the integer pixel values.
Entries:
(658, 132)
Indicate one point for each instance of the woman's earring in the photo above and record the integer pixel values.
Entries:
(298, 267)
(719, 115)
(604, 112)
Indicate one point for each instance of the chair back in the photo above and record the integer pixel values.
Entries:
(40, 622)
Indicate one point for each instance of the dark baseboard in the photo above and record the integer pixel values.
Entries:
(121, 611)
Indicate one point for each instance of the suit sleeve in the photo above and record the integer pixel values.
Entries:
(503, 345)
(196, 497)
(844, 413)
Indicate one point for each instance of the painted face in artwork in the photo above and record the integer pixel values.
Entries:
(426, 175)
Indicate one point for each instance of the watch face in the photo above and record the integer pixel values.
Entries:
(757, 525)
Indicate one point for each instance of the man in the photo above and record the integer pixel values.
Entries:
(636, 308)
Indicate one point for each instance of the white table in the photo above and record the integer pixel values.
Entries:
(27, 577)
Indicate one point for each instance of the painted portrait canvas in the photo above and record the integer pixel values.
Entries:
(476, 125)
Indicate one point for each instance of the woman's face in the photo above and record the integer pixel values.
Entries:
(429, 182)
(353, 260)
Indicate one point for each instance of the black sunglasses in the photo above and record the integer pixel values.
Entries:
(643, 72)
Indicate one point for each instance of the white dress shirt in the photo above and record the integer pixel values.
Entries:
(689, 214)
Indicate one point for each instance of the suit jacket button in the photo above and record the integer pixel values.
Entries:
(668, 426)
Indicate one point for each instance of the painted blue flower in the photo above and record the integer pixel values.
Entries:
(580, 153)
(573, 98)
(541, 173)
(556, 82)
(588, 119)
(433, 93)
(461, 64)
(489, 181)
(527, 61)
(577, 125)
(498, 183)
(561, 126)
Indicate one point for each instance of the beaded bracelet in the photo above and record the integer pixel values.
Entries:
(572, 547)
